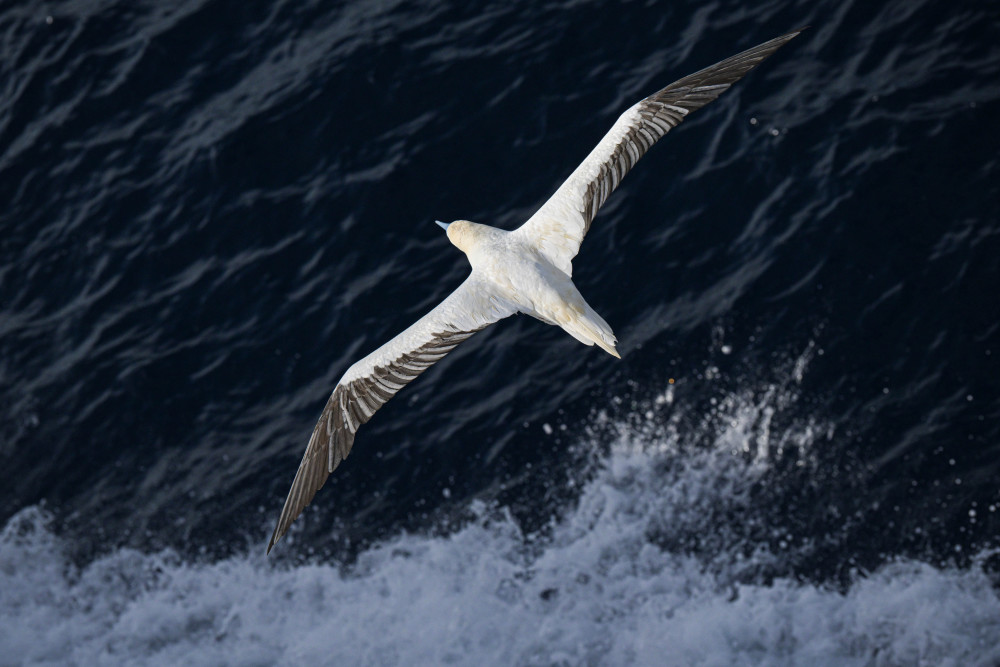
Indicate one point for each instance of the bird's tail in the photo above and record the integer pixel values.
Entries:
(590, 329)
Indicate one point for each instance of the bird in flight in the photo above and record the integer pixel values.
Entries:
(528, 270)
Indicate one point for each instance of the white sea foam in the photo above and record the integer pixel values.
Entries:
(603, 586)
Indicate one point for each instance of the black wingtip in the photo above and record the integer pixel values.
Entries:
(792, 34)
(274, 538)
(788, 36)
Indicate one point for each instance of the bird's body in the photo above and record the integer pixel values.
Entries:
(528, 270)
(520, 273)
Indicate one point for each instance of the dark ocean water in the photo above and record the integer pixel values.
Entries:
(209, 210)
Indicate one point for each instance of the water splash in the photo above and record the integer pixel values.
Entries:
(667, 557)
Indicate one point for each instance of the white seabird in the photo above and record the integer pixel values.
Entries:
(528, 270)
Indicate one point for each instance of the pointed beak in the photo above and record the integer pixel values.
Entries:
(442, 225)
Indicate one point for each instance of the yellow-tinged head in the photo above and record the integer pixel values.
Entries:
(462, 233)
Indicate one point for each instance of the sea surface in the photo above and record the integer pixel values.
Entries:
(209, 210)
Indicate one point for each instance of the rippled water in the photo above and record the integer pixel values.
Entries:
(210, 210)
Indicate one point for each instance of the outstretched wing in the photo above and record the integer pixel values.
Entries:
(559, 226)
(371, 382)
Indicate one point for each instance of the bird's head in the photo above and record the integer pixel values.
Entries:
(461, 233)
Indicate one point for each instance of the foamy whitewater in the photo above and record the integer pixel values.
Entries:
(207, 216)
(651, 566)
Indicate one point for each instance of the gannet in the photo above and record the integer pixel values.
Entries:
(528, 270)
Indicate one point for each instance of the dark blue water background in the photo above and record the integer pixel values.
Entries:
(208, 210)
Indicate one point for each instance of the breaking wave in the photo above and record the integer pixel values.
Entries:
(663, 559)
